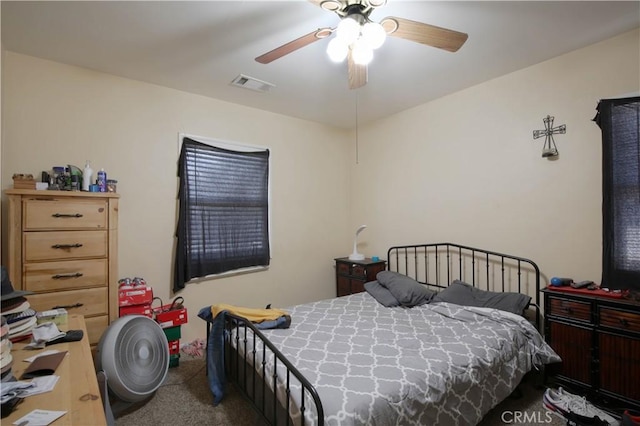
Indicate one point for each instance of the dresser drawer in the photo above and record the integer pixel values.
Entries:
(96, 327)
(64, 245)
(54, 213)
(69, 275)
(580, 311)
(93, 300)
(622, 320)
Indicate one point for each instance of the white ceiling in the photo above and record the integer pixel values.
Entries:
(200, 47)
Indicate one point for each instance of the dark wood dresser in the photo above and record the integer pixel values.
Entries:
(351, 275)
(598, 339)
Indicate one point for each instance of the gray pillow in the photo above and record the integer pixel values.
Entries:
(465, 294)
(381, 294)
(407, 291)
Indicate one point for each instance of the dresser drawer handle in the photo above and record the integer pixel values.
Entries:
(66, 246)
(66, 215)
(624, 322)
(75, 305)
(60, 276)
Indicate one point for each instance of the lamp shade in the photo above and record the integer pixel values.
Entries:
(348, 30)
(361, 52)
(374, 34)
(337, 50)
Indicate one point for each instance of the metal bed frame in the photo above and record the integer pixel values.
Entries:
(434, 265)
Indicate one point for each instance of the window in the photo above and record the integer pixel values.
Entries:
(619, 120)
(223, 218)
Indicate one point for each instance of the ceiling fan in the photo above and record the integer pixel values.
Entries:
(357, 36)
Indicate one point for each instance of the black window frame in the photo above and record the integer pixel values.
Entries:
(223, 212)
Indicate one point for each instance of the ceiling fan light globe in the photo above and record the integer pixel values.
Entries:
(374, 34)
(361, 53)
(337, 50)
(348, 30)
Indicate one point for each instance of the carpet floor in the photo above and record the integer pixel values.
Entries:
(184, 398)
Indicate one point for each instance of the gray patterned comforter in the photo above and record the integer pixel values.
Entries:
(436, 364)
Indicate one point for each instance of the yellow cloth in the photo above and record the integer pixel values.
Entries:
(252, 314)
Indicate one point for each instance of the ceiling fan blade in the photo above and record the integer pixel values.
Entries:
(294, 45)
(419, 32)
(357, 73)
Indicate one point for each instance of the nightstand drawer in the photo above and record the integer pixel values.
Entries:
(353, 270)
(359, 271)
(55, 213)
(580, 311)
(351, 275)
(622, 320)
(64, 245)
(344, 268)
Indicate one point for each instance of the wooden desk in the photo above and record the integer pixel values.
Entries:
(77, 378)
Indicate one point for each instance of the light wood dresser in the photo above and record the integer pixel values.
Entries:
(63, 246)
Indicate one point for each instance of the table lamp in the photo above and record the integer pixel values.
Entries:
(355, 255)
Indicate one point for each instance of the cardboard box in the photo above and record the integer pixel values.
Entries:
(172, 314)
(171, 318)
(173, 333)
(137, 310)
(129, 295)
(56, 316)
(174, 347)
(174, 360)
(22, 181)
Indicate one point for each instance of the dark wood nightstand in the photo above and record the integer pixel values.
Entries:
(352, 274)
(598, 339)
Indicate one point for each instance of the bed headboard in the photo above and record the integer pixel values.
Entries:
(438, 264)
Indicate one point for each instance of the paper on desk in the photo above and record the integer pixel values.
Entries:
(49, 352)
(23, 389)
(40, 385)
(39, 418)
(10, 390)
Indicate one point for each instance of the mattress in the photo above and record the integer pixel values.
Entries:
(433, 364)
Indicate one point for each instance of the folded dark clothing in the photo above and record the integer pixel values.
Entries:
(574, 419)
(71, 336)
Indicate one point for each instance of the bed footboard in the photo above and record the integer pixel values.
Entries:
(437, 264)
(280, 394)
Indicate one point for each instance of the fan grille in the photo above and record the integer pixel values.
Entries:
(134, 354)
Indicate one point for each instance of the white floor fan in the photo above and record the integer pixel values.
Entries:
(132, 362)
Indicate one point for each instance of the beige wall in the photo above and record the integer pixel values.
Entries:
(1, 103)
(463, 168)
(471, 173)
(57, 114)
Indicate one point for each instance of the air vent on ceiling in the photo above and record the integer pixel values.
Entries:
(251, 83)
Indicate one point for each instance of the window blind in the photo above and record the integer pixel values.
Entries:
(619, 120)
(223, 222)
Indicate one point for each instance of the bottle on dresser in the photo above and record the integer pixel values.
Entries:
(102, 180)
(87, 175)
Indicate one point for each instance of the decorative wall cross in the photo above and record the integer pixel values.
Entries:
(549, 149)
